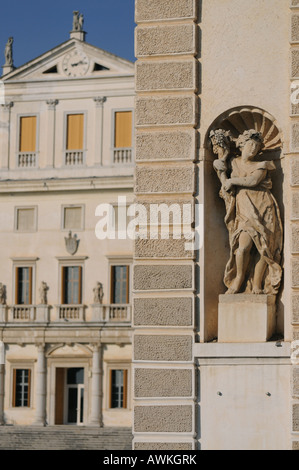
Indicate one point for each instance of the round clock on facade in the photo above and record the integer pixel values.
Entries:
(75, 64)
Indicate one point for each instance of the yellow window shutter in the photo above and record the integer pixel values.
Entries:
(123, 129)
(27, 134)
(75, 132)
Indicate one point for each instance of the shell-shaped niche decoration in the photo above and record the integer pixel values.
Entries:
(238, 120)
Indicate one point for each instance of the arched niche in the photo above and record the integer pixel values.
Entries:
(216, 242)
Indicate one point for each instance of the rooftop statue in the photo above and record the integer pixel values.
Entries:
(78, 21)
(8, 52)
(252, 214)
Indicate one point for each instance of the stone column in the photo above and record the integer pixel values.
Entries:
(99, 121)
(41, 387)
(96, 387)
(5, 134)
(166, 120)
(50, 157)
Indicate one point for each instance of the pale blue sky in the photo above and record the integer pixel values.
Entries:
(38, 25)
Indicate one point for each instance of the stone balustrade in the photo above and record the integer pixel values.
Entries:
(122, 156)
(27, 160)
(74, 157)
(66, 314)
(112, 313)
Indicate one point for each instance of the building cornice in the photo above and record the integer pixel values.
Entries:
(66, 184)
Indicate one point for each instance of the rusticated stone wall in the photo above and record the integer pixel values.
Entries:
(167, 112)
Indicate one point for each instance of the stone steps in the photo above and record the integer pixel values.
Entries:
(64, 438)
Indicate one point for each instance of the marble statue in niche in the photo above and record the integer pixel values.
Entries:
(252, 214)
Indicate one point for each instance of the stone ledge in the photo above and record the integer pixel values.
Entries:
(272, 349)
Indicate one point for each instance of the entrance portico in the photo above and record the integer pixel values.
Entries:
(70, 378)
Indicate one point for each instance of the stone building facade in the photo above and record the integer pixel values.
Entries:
(66, 142)
(203, 65)
(194, 382)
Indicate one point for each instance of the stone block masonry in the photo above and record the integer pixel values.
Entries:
(167, 113)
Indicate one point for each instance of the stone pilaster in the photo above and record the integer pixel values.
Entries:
(166, 146)
(294, 214)
(51, 125)
(5, 134)
(2, 378)
(41, 386)
(96, 387)
(99, 120)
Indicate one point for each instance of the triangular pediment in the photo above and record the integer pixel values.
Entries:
(72, 59)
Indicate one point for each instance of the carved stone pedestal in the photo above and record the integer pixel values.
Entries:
(246, 318)
(42, 313)
(3, 313)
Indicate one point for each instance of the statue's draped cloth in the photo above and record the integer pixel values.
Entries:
(254, 211)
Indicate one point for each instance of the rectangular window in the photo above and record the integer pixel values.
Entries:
(21, 387)
(73, 218)
(75, 132)
(27, 142)
(119, 284)
(71, 285)
(23, 283)
(123, 129)
(118, 388)
(25, 219)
